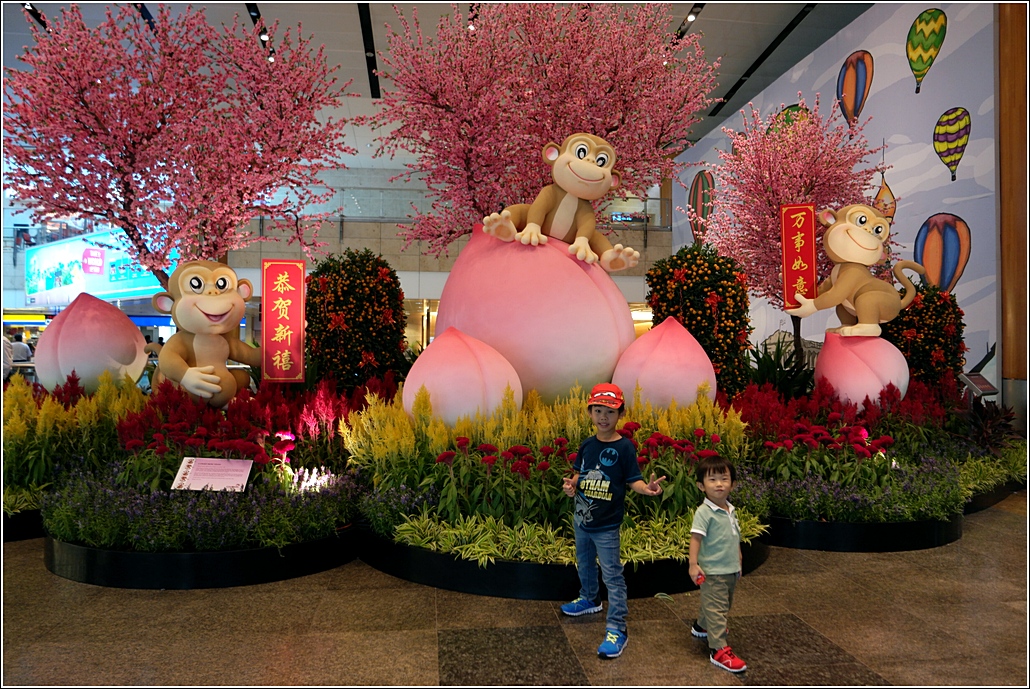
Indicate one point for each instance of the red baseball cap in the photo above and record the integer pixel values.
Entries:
(607, 395)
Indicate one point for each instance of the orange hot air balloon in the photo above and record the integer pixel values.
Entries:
(942, 247)
(885, 202)
(853, 84)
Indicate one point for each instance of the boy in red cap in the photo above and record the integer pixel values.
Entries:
(605, 466)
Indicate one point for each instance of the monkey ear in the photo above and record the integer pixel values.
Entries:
(616, 179)
(163, 302)
(827, 217)
(245, 289)
(551, 152)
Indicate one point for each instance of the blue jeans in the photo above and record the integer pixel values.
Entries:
(602, 547)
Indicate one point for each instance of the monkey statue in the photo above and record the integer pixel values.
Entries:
(207, 302)
(583, 171)
(854, 240)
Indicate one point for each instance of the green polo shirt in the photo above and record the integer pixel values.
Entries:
(720, 538)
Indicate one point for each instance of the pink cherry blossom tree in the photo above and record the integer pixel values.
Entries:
(477, 103)
(177, 133)
(790, 157)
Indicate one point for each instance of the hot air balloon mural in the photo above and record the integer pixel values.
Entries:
(700, 201)
(885, 202)
(942, 247)
(950, 136)
(788, 116)
(925, 38)
(853, 83)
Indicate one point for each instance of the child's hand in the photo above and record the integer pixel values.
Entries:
(569, 486)
(654, 486)
(696, 575)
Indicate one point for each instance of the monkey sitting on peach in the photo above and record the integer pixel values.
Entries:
(583, 171)
(854, 240)
(207, 303)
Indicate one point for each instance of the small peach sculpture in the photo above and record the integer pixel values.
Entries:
(89, 337)
(860, 367)
(463, 376)
(668, 364)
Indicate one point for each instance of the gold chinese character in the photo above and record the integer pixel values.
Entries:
(799, 264)
(282, 360)
(282, 284)
(283, 333)
(800, 285)
(799, 218)
(282, 306)
(799, 241)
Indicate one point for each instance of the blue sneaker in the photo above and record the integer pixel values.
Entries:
(614, 642)
(580, 606)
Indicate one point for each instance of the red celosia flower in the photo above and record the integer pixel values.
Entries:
(699, 432)
(446, 458)
(487, 447)
(507, 456)
(547, 450)
(489, 460)
(706, 453)
(561, 442)
(715, 438)
(544, 465)
(519, 450)
(462, 442)
(572, 457)
(521, 468)
(133, 445)
(632, 426)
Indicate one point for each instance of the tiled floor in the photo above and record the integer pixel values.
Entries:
(954, 615)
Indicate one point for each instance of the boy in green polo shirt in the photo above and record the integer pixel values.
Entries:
(715, 558)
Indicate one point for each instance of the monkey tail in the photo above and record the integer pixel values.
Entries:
(153, 348)
(910, 289)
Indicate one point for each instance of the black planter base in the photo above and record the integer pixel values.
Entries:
(863, 538)
(23, 525)
(981, 501)
(527, 580)
(135, 570)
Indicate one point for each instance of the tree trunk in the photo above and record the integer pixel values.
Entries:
(799, 354)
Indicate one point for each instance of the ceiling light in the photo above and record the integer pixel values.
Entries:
(264, 36)
(691, 17)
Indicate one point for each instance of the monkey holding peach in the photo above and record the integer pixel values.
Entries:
(583, 171)
(854, 240)
(207, 303)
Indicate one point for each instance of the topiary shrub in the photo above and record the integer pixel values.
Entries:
(929, 334)
(707, 293)
(356, 320)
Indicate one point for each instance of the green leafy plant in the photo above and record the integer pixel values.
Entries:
(355, 320)
(707, 293)
(777, 367)
(19, 499)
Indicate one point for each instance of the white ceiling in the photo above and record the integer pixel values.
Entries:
(739, 33)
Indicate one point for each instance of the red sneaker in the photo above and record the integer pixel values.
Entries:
(725, 659)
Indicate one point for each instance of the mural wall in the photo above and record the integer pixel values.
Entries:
(925, 75)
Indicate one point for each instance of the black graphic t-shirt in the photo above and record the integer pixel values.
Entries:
(605, 468)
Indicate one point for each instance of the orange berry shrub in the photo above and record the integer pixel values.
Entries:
(929, 334)
(707, 293)
(356, 320)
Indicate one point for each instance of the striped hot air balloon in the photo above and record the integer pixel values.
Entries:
(853, 83)
(925, 38)
(950, 136)
(700, 201)
(942, 247)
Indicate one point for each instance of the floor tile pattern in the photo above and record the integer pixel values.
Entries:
(954, 615)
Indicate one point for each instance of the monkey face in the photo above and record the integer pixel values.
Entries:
(583, 166)
(855, 234)
(205, 298)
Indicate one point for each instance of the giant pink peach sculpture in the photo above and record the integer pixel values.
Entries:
(89, 337)
(556, 319)
(668, 364)
(462, 375)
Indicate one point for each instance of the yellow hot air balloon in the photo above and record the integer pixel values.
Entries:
(925, 38)
(885, 202)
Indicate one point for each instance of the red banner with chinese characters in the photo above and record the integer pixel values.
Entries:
(797, 228)
(282, 320)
